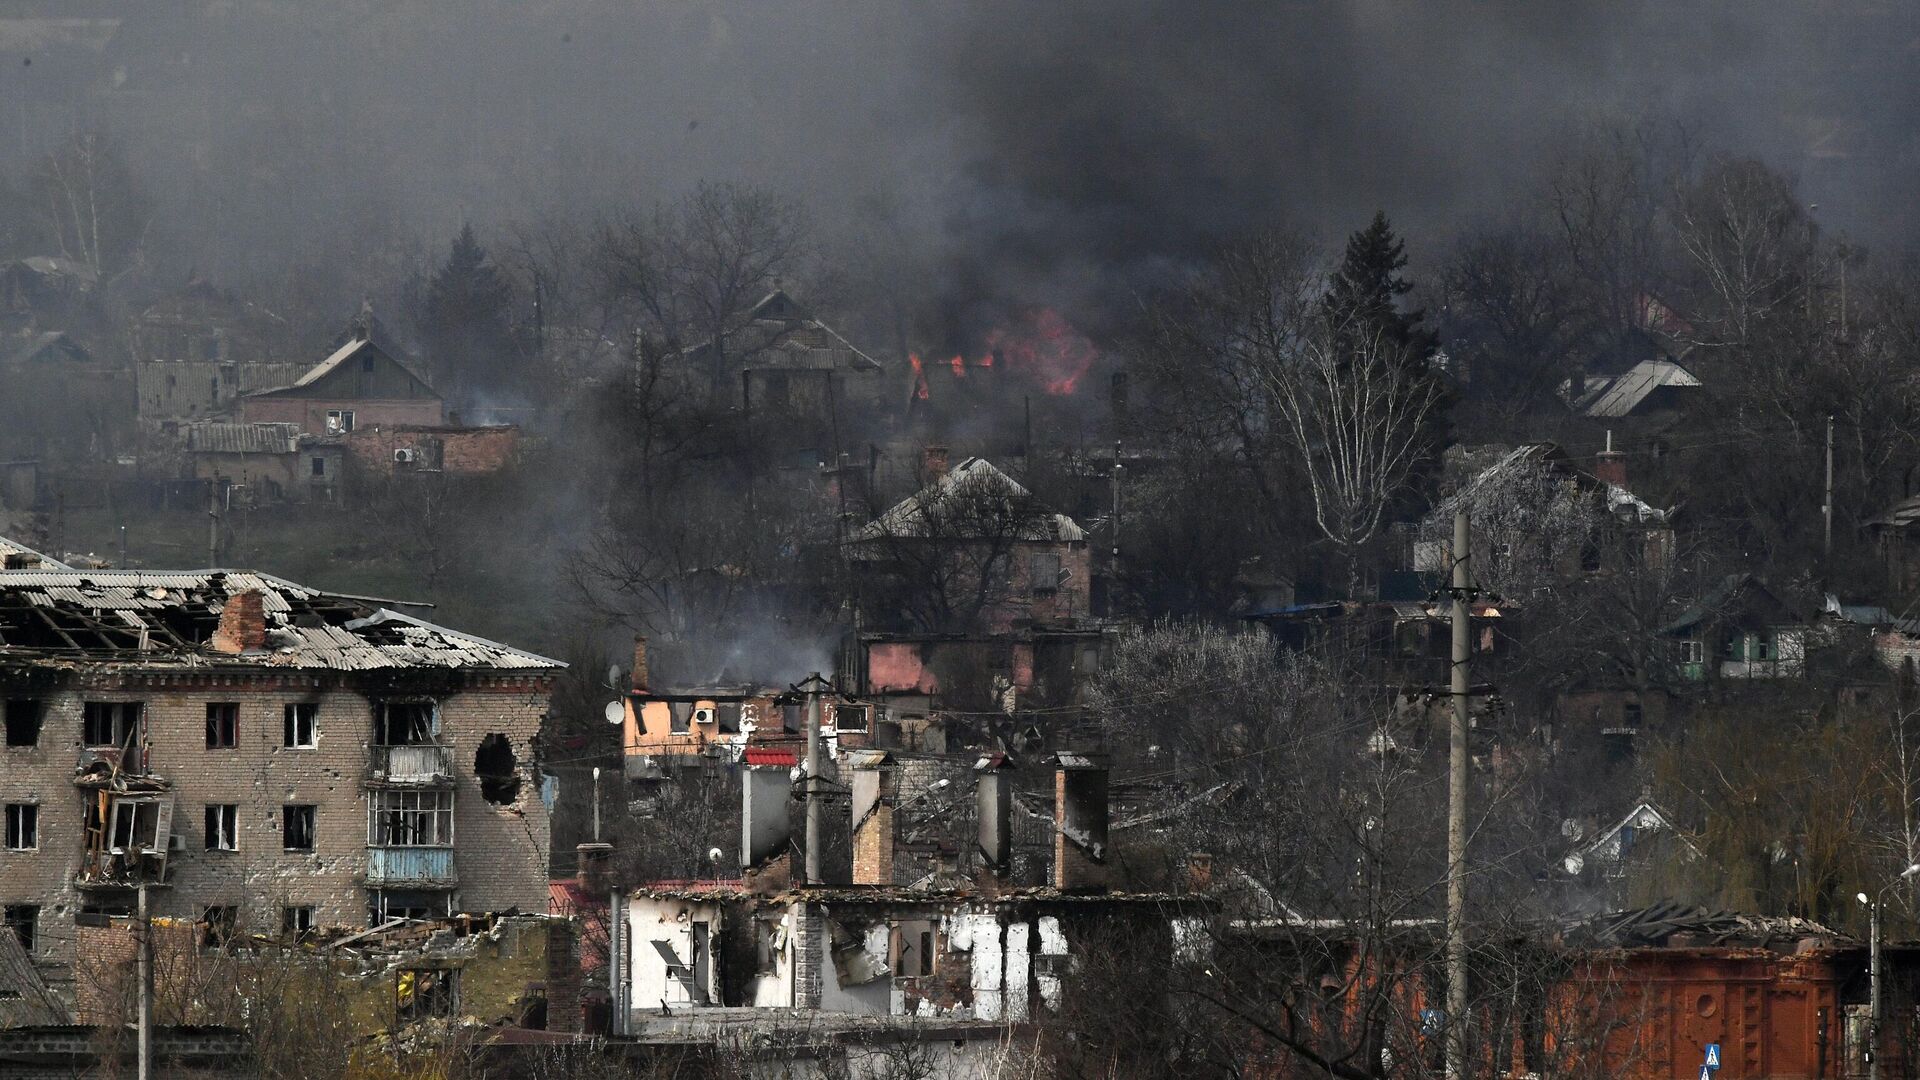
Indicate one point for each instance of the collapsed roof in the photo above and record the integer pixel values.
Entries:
(168, 620)
(972, 501)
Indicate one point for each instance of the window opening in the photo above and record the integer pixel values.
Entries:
(24, 921)
(108, 723)
(426, 993)
(23, 722)
(406, 723)
(23, 826)
(299, 725)
(497, 770)
(217, 925)
(296, 827)
(398, 818)
(296, 920)
(223, 827)
(223, 725)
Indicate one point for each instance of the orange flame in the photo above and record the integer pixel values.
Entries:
(959, 364)
(919, 377)
(1046, 346)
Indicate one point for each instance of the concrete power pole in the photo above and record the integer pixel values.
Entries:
(1457, 760)
(1826, 507)
(816, 810)
(144, 1048)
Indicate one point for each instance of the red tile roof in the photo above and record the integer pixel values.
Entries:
(760, 755)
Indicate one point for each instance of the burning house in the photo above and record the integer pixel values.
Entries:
(259, 755)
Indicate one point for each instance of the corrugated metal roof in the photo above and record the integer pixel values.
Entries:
(1624, 393)
(971, 498)
(213, 438)
(13, 550)
(165, 619)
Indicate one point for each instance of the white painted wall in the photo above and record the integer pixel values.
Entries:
(657, 927)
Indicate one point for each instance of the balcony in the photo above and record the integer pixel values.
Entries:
(423, 764)
(410, 868)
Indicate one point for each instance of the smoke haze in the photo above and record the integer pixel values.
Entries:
(1036, 149)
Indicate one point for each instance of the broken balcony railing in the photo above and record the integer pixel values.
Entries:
(421, 763)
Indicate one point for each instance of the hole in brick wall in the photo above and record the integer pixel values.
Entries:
(497, 769)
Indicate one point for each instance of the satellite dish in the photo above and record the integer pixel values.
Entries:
(615, 678)
(615, 712)
(1574, 863)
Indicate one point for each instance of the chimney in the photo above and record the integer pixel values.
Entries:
(641, 676)
(933, 462)
(993, 808)
(1610, 465)
(765, 792)
(243, 623)
(1080, 823)
(1199, 872)
(874, 787)
(591, 870)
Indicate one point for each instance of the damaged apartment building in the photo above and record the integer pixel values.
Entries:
(953, 955)
(259, 755)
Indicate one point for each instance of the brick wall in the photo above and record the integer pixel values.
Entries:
(500, 851)
(463, 451)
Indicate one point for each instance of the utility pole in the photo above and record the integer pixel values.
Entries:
(1873, 991)
(596, 804)
(213, 524)
(1826, 508)
(1462, 593)
(145, 976)
(1117, 467)
(816, 810)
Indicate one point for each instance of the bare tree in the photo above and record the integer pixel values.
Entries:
(1749, 242)
(93, 208)
(1356, 417)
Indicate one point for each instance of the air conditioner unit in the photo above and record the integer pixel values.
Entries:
(703, 716)
(405, 456)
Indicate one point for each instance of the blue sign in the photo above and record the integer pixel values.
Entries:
(1706, 1072)
(1713, 1059)
(1430, 1021)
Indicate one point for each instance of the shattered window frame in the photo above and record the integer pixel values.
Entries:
(919, 938)
(299, 824)
(400, 817)
(296, 920)
(23, 826)
(339, 421)
(116, 720)
(679, 717)
(857, 712)
(223, 725)
(425, 993)
(416, 720)
(1044, 570)
(222, 827)
(300, 726)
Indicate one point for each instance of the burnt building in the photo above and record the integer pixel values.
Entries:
(259, 755)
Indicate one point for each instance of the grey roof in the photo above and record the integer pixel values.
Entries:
(972, 493)
(1620, 502)
(214, 438)
(354, 347)
(165, 619)
(1622, 394)
(40, 560)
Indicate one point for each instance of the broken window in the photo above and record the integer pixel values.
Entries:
(406, 723)
(726, 715)
(223, 725)
(680, 717)
(23, 826)
(398, 818)
(296, 827)
(24, 921)
(223, 827)
(295, 920)
(768, 941)
(320, 467)
(136, 825)
(383, 906)
(23, 722)
(108, 723)
(299, 726)
(793, 717)
(497, 770)
(424, 993)
(217, 923)
(912, 943)
(1044, 573)
(850, 717)
(339, 421)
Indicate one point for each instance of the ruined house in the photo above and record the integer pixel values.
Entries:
(260, 754)
(359, 385)
(259, 464)
(198, 351)
(949, 948)
(794, 371)
(971, 552)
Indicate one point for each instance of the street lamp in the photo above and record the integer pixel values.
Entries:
(1874, 903)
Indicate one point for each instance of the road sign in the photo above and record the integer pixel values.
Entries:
(1713, 1059)
(1706, 1072)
